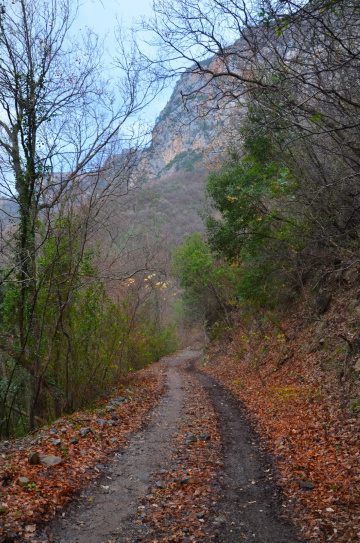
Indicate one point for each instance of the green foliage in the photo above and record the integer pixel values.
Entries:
(192, 160)
(83, 341)
(185, 160)
(243, 191)
(176, 160)
(148, 344)
(274, 210)
(208, 283)
(249, 226)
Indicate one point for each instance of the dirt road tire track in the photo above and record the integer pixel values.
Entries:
(249, 509)
(108, 515)
(250, 501)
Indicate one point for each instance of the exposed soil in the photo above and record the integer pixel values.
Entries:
(106, 507)
(248, 506)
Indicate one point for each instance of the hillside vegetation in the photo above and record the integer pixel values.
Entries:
(90, 273)
(275, 281)
(282, 214)
(237, 228)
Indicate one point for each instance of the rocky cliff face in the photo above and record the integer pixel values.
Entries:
(186, 132)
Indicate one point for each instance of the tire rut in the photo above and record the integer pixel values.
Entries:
(105, 513)
(250, 508)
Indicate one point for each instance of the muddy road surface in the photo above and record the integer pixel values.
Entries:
(248, 508)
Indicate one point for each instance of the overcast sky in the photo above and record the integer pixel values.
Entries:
(102, 16)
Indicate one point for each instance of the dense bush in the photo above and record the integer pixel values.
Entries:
(249, 221)
(208, 283)
(281, 211)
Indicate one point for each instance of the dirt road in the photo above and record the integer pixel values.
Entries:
(248, 507)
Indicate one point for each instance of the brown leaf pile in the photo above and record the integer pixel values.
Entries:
(49, 488)
(298, 397)
(181, 500)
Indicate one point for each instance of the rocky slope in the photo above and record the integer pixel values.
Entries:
(189, 130)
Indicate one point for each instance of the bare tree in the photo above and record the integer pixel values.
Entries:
(63, 123)
(297, 63)
(234, 46)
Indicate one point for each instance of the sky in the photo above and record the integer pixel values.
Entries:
(102, 17)
(102, 14)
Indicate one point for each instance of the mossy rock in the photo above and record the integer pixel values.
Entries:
(354, 404)
(354, 308)
(320, 328)
(337, 355)
(304, 347)
(357, 366)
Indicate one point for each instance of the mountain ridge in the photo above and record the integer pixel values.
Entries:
(188, 130)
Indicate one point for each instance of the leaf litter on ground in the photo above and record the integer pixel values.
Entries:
(299, 404)
(181, 503)
(83, 440)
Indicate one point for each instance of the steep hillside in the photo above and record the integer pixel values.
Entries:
(299, 378)
(171, 206)
(189, 130)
